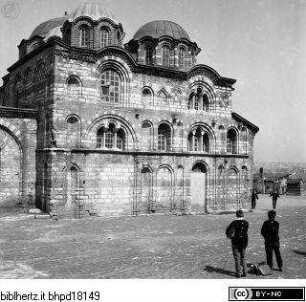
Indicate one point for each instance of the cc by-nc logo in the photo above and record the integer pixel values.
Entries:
(242, 293)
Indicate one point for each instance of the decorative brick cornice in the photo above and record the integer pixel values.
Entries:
(18, 113)
(212, 74)
(143, 153)
(91, 56)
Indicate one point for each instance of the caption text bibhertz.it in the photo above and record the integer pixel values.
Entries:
(53, 296)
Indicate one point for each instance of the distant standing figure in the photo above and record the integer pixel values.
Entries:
(269, 231)
(237, 231)
(254, 198)
(274, 196)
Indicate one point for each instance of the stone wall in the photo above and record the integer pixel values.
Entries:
(17, 157)
(141, 179)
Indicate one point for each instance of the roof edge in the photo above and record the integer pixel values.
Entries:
(245, 121)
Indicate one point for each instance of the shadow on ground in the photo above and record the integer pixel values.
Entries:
(299, 252)
(212, 269)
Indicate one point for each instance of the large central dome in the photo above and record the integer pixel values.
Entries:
(92, 9)
(159, 28)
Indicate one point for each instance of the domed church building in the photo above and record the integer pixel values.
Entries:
(92, 125)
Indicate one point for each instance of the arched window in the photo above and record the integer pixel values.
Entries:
(222, 139)
(164, 137)
(198, 99)
(73, 130)
(121, 139)
(34, 45)
(100, 138)
(181, 57)
(196, 103)
(146, 96)
(191, 100)
(40, 73)
(205, 102)
(73, 86)
(205, 142)
(104, 37)
(111, 138)
(199, 167)
(84, 36)
(244, 140)
(198, 140)
(73, 81)
(166, 56)
(149, 55)
(27, 74)
(232, 141)
(111, 86)
(146, 135)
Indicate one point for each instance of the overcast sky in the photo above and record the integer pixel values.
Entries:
(260, 43)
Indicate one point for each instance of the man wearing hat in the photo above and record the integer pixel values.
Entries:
(269, 231)
(237, 231)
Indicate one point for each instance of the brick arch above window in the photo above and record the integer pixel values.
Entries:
(106, 122)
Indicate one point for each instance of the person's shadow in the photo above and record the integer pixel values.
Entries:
(299, 252)
(212, 269)
(250, 266)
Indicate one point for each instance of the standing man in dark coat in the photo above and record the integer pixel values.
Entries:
(274, 196)
(254, 198)
(269, 231)
(237, 231)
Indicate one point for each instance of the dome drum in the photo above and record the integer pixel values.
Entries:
(163, 43)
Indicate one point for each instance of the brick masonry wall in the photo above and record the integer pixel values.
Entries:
(74, 176)
(114, 183)
(17, 160)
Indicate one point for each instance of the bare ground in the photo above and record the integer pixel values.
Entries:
(155, 246)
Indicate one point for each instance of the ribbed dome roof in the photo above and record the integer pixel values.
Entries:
(44, 28)
(159, 28)
(91, 9)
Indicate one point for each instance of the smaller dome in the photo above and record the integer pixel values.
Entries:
(159, 28)
(44, 28)
(93, 10)
(56, 31)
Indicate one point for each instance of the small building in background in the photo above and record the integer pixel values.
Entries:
(266, 183)
(296, 184)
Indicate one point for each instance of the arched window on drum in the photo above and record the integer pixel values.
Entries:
(166, 56)
(104, 37)
(182, 55)
(84, 36)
